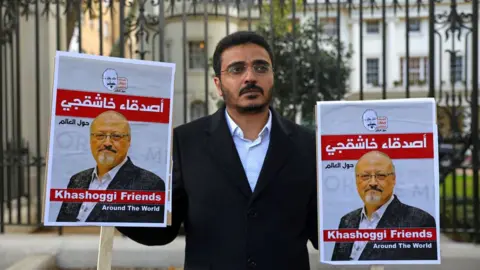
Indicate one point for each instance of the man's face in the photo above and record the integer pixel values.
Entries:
(246, 78)
(110, 79)
(370, 120)
(375, 179)
(109, 151)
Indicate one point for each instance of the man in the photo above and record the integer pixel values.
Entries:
(110, 137)
(244, 179)
(110, 79)
(370, 121)
(375, 179)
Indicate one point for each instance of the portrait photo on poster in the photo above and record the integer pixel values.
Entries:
(378, 182)
(109, 152)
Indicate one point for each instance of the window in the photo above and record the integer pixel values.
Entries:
(196, 50)
(197, 109)
(373, 27)
(417, 70)
(372, 71)
(329, 26)
(414, 25)
(456, 68)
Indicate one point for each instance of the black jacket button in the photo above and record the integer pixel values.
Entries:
(251, 263)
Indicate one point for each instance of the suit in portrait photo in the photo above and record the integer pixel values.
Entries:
(110, 138)
(375, 181)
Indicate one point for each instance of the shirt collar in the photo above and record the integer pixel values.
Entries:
(112, 172)
(380, 211)
(236, 130)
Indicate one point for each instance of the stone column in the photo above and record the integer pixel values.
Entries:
(355, 75)
(393, 60)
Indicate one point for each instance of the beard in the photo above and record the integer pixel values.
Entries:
(252, 108)
(373, 195)
(251, 91)
(106, 158)
(373, 198)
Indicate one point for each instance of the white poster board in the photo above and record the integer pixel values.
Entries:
(109, 158)
(378, 182)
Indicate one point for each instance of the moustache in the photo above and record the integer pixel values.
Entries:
(251, 88)
(374, 188)
(108, 148)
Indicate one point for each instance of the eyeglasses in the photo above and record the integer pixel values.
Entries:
(114, 137)
(240, 69)
(378, 176)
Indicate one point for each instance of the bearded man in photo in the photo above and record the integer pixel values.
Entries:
(375, 180)
(110, 138)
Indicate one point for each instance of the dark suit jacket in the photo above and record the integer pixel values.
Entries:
(128, 177)
(227, 225)
(397, 215)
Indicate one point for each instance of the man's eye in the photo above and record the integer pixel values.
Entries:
(236, 69)
(261, 68)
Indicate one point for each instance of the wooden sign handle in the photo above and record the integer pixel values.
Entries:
(104, 260)
(377, 267)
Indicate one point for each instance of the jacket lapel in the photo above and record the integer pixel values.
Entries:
(388, 220)
(391, 215)
(83, 182)
(121, 181)
(278, 152)
(222, 150)
(354, 222)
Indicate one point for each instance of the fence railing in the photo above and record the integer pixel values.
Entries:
(325, 50)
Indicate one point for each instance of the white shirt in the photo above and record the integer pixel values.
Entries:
(251, 153)
(96, 184)
(365, 223)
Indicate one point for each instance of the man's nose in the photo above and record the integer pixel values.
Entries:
(373, 181)
(107, 141)
(250, 76)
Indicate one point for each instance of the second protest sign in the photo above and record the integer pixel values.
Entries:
(378, 182)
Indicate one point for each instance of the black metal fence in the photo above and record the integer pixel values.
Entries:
(325, 50)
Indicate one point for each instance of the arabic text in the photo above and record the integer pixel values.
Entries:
(79, 123)
(398, 146)
(337, 165)
(72, 103)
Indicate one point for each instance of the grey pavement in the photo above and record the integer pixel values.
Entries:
(80, 251)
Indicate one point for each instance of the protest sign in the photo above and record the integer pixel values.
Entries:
(378, 189)
(109, 156)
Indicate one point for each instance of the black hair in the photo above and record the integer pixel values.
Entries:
(234, 39)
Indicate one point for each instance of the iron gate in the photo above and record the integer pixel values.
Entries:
(31, 30)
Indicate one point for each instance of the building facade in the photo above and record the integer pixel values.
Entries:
(386, 62)
(190, 39)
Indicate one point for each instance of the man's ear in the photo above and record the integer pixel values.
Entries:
(218, 85)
